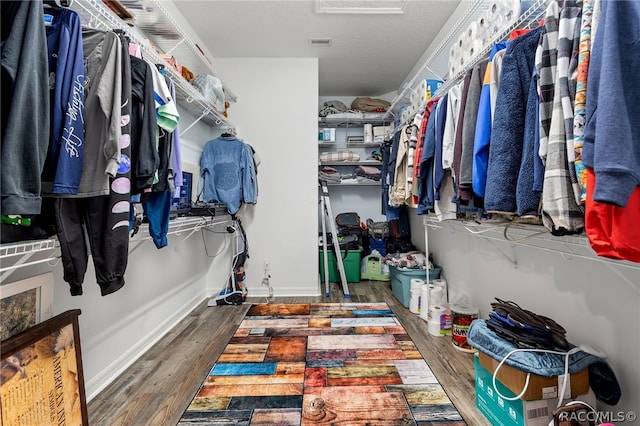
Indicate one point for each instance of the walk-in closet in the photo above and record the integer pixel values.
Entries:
(311, 212)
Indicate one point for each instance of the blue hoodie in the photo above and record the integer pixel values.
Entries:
(483, 128)
(66, 63)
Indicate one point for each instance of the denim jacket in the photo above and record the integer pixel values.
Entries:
(228, 173)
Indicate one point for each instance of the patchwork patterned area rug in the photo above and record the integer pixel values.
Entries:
(321, 364)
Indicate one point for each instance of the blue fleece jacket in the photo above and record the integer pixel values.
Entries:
(509, 187)
(612, 129)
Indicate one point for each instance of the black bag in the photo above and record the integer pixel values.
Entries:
(349, 224)
(399, 245)
(378, 229)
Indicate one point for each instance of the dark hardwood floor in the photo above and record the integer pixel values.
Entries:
(159, 386)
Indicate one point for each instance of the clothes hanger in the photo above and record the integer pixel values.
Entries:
(57, 4)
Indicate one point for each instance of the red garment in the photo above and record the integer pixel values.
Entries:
(613, 231)
(517, 33)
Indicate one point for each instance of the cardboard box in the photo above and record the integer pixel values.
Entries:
(502, 412)
(540, 387)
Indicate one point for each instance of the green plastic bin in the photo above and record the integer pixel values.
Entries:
(351, 264)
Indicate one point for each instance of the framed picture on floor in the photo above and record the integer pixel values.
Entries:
(41, 379)
(25, 303)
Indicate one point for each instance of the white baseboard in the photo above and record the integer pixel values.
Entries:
(278, 291)
(117, 367)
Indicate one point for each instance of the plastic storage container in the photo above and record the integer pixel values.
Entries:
(373, 269)
(401, 281)
(351, 264)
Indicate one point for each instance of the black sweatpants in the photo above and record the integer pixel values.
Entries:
(108, 241)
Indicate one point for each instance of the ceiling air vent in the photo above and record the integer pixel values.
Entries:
(360, 7)
(320, 41)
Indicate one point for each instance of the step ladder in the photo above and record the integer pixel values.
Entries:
(327, 217)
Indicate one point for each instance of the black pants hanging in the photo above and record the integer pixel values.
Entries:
(108, 241)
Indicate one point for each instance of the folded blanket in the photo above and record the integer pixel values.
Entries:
(339, 156)
(602, 379)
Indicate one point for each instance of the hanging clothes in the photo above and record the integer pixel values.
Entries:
(438, 170)
(483, 127)
(103, 58)
(613, 231)
(176, 153)
(457, 144)
(580, 105)
(102, 218)
(426, 200)
(417, 155)
(63, 169)
(561, 213)
(509, 169)
(25, 93)
(611, 151)
(411, 152)
(451, 121)
(443, 189)
(612, 132)
(144, 154)
(228, 173)
(388, 170)
(465, 190)
(398, 191)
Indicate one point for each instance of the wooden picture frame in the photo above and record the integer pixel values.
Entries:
(41, 379)
(25, 303)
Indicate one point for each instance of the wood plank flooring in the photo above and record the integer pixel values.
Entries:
(159, 386)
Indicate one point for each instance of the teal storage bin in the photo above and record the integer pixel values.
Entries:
(351, 263)
(401, 281)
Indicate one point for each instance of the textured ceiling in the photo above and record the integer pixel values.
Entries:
(370, 54)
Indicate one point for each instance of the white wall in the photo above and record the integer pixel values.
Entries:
(596, 300)
(277, 114)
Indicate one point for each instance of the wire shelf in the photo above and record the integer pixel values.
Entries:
(19, 249)
(533, 236)
(95, 14)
